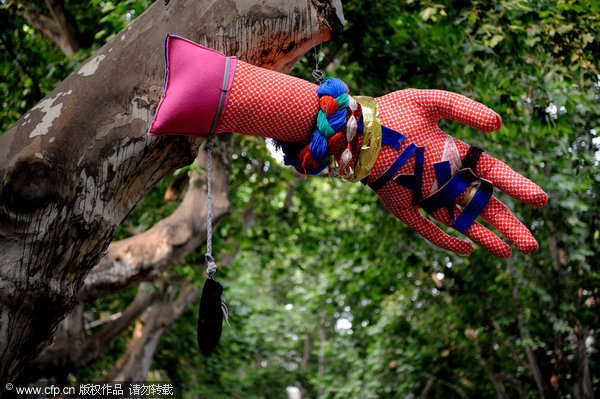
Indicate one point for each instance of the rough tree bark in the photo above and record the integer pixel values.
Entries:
(142, 257)
(73, 167)
(147, 255)
(73, 348)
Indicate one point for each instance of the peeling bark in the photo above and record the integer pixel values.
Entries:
(73, 348)
(147, 255)
(73, 167)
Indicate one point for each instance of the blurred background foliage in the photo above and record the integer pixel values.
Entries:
(329, 295)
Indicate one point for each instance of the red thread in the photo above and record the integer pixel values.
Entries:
(329, 105)
(335, 142)
(307, 160)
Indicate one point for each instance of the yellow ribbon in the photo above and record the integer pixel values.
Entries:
(371, 144)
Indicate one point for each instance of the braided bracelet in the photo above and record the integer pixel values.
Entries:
(337, 123)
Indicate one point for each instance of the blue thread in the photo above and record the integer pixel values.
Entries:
(326, 129)
(332, 87)
(290, 159)
(316, 171)
(328, 126)
(338, 120)
(318, 145)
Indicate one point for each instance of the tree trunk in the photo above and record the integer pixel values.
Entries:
(543, 388)
(73, 167)
(583, 388)
(147, 255)
(73, 348)
(143, 257)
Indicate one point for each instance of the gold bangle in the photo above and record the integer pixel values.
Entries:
(371, 144)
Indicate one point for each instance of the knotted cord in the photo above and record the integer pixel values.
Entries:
(211, 266)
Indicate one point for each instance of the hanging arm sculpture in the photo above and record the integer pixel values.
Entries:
(392, 143)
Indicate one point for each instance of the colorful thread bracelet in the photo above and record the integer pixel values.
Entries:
(336, 125)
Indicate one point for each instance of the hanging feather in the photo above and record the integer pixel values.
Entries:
(210, 316)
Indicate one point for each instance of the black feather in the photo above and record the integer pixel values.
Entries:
(210, 317)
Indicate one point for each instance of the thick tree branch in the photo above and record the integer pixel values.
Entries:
(69, 39)
(135, 363)
(61, 29)
(145, 296)
(73, 348)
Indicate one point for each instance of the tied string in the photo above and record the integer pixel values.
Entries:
(336, 127)
(212, 305)
(211, 266)
(318, 74)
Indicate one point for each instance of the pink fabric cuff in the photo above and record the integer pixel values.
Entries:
(197, 85)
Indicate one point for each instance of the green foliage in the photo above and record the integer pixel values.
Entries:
(329, 293)
(30, 66)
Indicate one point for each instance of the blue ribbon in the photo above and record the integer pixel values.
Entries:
(453, 188)
(443, 173)
(414, 182)
(397, 164)
(475, 206)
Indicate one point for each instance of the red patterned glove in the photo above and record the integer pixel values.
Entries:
(418, 165)
(416, 113)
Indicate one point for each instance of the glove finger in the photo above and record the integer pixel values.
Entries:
(499, 216)
(428, 230)
(479, 234)
(515, 185)
(506, 179)
(445, 104)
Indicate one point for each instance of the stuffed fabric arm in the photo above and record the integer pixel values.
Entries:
(417, 166)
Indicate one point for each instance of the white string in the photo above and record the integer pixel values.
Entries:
(211, 266)
(318, 75)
